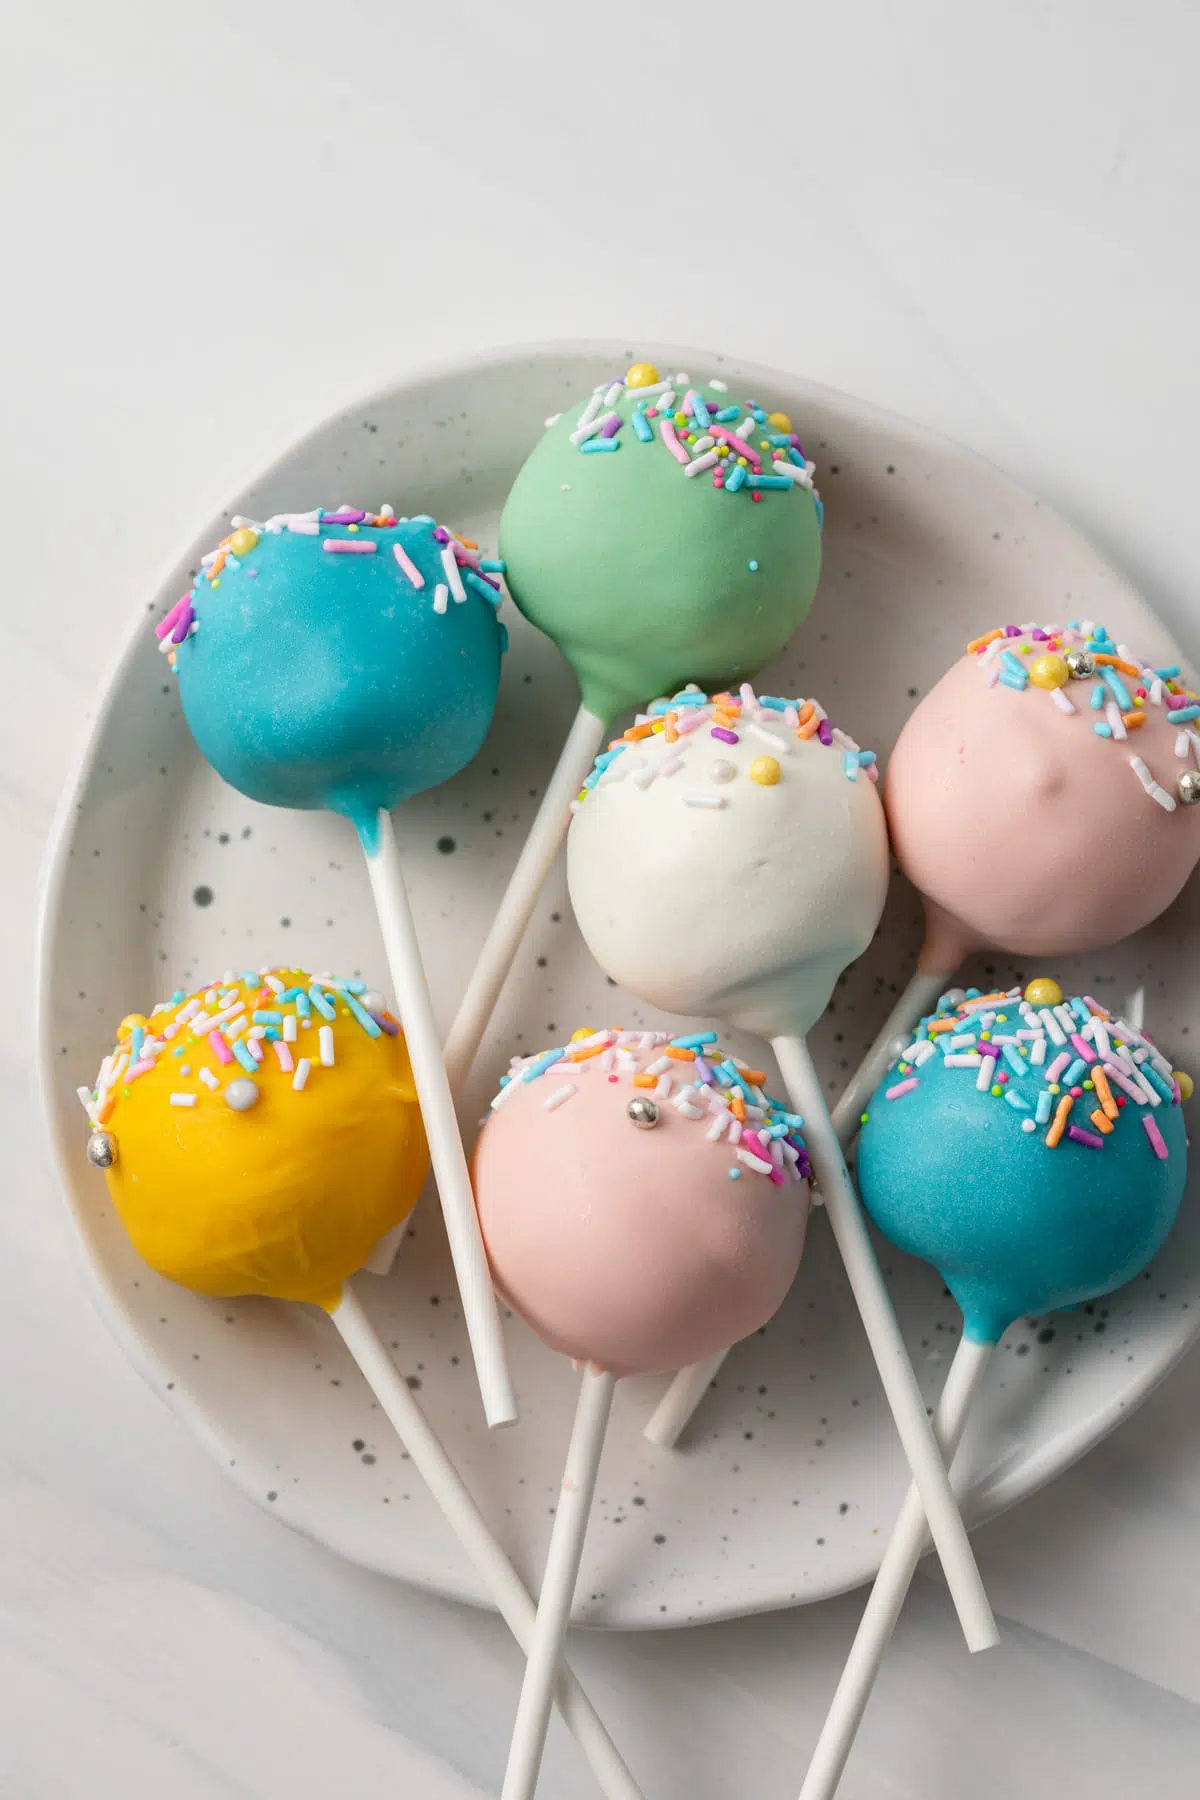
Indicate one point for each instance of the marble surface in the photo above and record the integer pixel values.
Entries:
(219, 230)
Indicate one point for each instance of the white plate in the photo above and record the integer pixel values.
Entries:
(791, 1476)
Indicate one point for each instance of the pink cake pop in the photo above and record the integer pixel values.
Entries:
(643, 1203)
(1042, 800)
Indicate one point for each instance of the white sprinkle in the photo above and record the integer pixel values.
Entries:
(585, 426)
(88, 1104)
(921, 1054)
(1181, 745)
(187, 1012)
(560, 1096)
(986, 1071)
(452, 575)
(289, 1028)
(780, 745)
(644, 776)
(722, 387)
(966, 1062)
(209, 1079)
(441, 597)
(325, 1037)
(1165, 800)
(553, 420)
(210, 998)
(965, 1042)
(689, 1111)
(1100, 1038)
(1115, 721)
(701, 463)
(273, 982)
(1060, 700)
(301, 1075)
(235, 1027)
(184, 1099)
(659, 1066)
(703, 444)
(668, 399)
(1054, 1030)
(1028, 1125)
(387, 511)
(1037, 1055)
(682, 378)
(643, 393)
(747, 427)
(614, 393)
(670, 765)
(754, 1162)
(662, 1087)
(716, 1129)
(201, 1023)
(714, 802)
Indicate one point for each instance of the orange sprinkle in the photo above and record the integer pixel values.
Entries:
(216, 567)
(634, 735)
(737, 1107)
(988, 638)
(1060, 1121)
(1101, 1121)
(670, 728)
(106, 1111)
(1103, 1091)
(582, 1055)
(755, 1077)
(1133, 719)
(806, 712)
(679, 1053)
(645, 1081)
(1116, 663)
(809, 729)
(937, 1025)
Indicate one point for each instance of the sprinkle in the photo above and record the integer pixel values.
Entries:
(707, 461)
(1116, 723)
(184, 1099)
(1165, 800)
(408, 565)
(1060, 700)
(289, 1028)
(322, 1002)
(1044, 1107)
(667, 432)
(453, 577)
(351, 546)
(713, 802)
(1157, 1141)
(1083, 1048)
(209, 1079)
(1013, 1058)
(220, 1047)
(283, 1055)
(301, 1075)
(362, 1015)
(1183, 714)
(325, 1039)
(902, 1087)
(600, 444)
(642, 428)
(969, 1061)
(1102, 1122)
(244, 1056)
(1126, 1086)
(1085, 1137)
(1054, 1135)
(1104, 1093)
(1015, 1100)
(560, 1096)
(987, 1070)
(1117, 688)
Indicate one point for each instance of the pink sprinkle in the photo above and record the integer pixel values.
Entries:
(1058, 1065)
(1083, 1048)
(1089, 1138)
(351, 546)
(718, 481)
(667, 431)
(901, 1087)
(1157, 1142)
(755, 1145)
(284, 1055)
(408, 565)
(726, 737)
(168, 624)
(738, 445)
(219, 1047)
(139, 1068)
(255, 1048)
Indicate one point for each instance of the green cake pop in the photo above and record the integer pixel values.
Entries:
(661, 532)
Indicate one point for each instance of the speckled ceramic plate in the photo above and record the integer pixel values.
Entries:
(159, 874)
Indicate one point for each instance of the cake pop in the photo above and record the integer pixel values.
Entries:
(256, 1137)
(1042, 800)
(643, 1201)
(1032, 1147)
(348, 660)
(729, 859)
(661, 531)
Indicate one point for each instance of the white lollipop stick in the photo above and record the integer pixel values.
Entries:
(526, 882)
(558, 1584)
(908, 1543)
(883, 1334)
(674, 1411)
(441, 1126)
(514, 1603)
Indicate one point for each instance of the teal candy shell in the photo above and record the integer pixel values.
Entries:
(327, 680)
(1015, 1227)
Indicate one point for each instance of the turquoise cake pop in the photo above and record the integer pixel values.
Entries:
(346, 661)
(1033, 1148)
(340, 661)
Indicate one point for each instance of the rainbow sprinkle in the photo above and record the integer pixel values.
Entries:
(1004, 1039)
(1121, 688)
(702, 436)
(223, 1028)
(458, 558)
(690, 1073)
(693, 717)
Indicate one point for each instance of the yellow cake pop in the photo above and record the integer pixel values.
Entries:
(260, 1135)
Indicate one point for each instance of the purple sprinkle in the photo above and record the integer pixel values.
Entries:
(825, 731)
(1012, 631)
(386, 1024)
(726, 737)
(343, 518)
(184, 626)
(613, 426)
(1041, 637)
(1085, 1137)
(441, 535)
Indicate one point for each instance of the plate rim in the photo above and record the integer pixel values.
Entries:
(995, 1495)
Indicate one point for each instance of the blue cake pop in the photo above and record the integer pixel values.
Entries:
(341, 661)
(1032, 1148)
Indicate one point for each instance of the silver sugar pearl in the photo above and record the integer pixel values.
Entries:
(373, 1001)
(722, 770)
(1188, 787)
(643, 1113)
(241, 1094)
(1081, 663)
(102, 1149)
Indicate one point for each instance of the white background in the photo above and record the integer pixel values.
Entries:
(220, 222)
